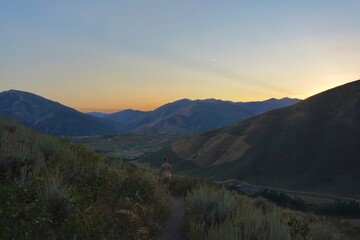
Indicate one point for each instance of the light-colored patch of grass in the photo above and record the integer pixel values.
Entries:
(216, 213)
(324, 231)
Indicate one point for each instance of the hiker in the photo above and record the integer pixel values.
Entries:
(166, 173)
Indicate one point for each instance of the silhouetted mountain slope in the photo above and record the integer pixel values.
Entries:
(188, 117)
(264, 106)
(51, 117)
(97, 114)
(128, 117)
(313, 146)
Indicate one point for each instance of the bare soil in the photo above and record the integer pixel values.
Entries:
(175, 228)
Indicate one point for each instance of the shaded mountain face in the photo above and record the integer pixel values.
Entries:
(189, 117)
(97, 114)
(311, 146)
(51, 117)
(127, 117)
(192, 117)
(183, 116)
(264, 106)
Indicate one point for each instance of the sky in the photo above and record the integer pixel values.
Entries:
(114, 55)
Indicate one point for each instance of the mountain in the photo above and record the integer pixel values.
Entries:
(128, 117)
(184, 116)
(97, 114)
(264, 106)
(51, 117)
(189, 117)
(311, 146)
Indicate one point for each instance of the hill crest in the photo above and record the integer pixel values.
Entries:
(310, 146)
(51, 117)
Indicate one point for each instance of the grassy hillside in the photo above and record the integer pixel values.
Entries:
(127, 146)
(311, 146)
(214, 212)
(50, 189)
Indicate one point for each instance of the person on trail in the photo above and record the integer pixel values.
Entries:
(166, 173)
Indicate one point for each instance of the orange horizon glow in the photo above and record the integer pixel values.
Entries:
(152, 108)
(158, 103)
(147, 108)
(145, 103)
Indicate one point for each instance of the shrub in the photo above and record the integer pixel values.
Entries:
(22, 214)
(181, 185)
(216, 213)
(210, 207)
(57, 201)
(139, 188)
(323, 231)
(299, 228)
(50, 189)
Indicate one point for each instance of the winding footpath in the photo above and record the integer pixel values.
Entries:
(175, 229)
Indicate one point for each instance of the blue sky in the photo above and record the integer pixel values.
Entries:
(112, 55)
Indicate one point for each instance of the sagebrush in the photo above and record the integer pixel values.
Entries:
(50, 189)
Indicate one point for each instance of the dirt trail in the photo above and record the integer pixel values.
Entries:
(175, 228)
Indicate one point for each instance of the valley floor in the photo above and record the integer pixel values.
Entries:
(249, 188)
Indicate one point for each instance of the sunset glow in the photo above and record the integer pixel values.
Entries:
(114, 55)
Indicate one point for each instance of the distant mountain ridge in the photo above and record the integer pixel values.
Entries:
(180, 117)
(311, 146)
(194, 116)
(51, 117)
(97, 114)
(128, 117)
(260, 107)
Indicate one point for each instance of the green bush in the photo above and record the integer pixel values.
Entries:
(22, 214)
(299, 228)
(181, 184)
(57, 201)
(138, 188)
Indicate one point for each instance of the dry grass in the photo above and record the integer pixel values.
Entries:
(212, 212)
(216, 213)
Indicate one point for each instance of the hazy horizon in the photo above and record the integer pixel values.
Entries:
(100, 110)
(113, 110)
(115, 55)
